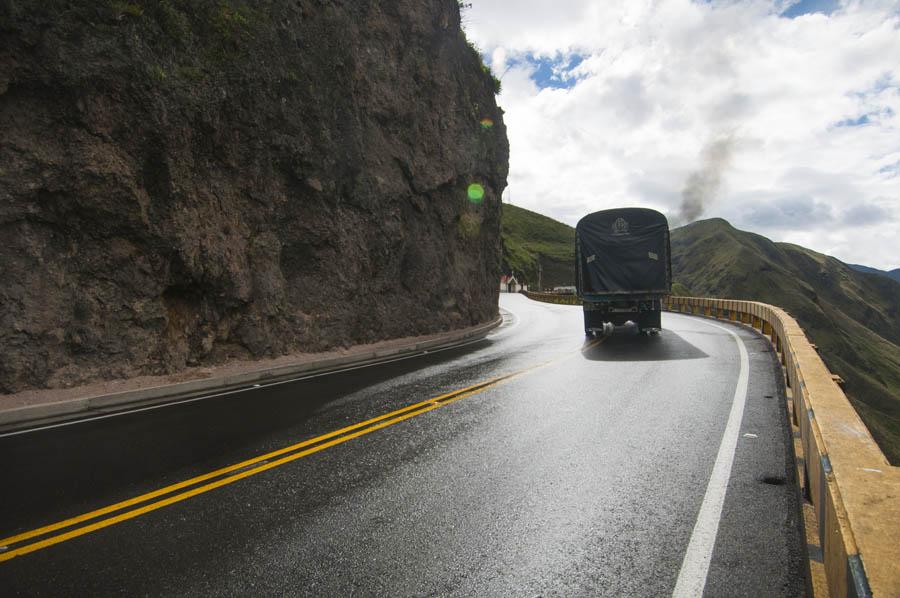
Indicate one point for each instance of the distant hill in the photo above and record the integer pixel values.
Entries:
(530, 239)
(853, 317)
(893, 274)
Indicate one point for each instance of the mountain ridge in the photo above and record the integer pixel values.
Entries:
(892, 274)
(851, 316)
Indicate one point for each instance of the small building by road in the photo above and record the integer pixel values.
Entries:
(509, 284)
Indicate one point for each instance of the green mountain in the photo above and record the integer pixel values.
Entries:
(853, 317)
(532, 242)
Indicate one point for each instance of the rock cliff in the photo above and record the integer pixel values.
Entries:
(188, 181)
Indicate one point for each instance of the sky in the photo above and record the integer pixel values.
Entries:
(781, 116)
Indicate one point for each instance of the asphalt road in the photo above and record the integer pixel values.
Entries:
(637, 466)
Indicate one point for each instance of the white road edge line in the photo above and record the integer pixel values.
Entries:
(694, 568)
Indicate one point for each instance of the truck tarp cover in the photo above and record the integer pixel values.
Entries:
(623, 251)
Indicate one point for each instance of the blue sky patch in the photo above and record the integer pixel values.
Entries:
(806, 7)
(554, 73)
(885, 81)
(891, 170)
(853, 122)
(547, 72)
(870, 118)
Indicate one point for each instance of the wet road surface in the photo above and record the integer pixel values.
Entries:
(528, 464)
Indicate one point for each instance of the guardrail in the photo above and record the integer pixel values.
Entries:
(855, 491)
(553, 298)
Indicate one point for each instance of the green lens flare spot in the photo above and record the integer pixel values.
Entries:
(486, 123)
(476, 193)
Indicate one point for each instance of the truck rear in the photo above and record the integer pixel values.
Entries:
(623, 269)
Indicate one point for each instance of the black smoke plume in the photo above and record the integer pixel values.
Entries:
(702, 185)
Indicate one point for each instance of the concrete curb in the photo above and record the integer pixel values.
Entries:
(50, 413)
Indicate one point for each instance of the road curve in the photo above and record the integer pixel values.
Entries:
(528, 464)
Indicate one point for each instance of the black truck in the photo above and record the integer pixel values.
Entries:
(623, 269)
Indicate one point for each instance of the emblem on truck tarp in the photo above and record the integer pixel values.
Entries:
(620, 227)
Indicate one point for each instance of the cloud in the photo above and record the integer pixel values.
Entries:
(797, 213)
(627, 97)
(866, 214)
(617, 103)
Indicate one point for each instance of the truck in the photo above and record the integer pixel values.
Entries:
(623, 269)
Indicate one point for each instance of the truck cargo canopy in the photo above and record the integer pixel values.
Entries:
(623, 251)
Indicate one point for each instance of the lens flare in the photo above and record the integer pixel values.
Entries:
(486, 123)
(476, 193)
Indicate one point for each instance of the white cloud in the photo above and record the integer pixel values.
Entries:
(811, 104)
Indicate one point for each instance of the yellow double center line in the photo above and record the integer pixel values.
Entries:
(19, 544)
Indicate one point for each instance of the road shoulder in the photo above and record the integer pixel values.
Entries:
(761, 515)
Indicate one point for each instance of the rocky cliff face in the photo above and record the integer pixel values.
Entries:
(183, 182)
